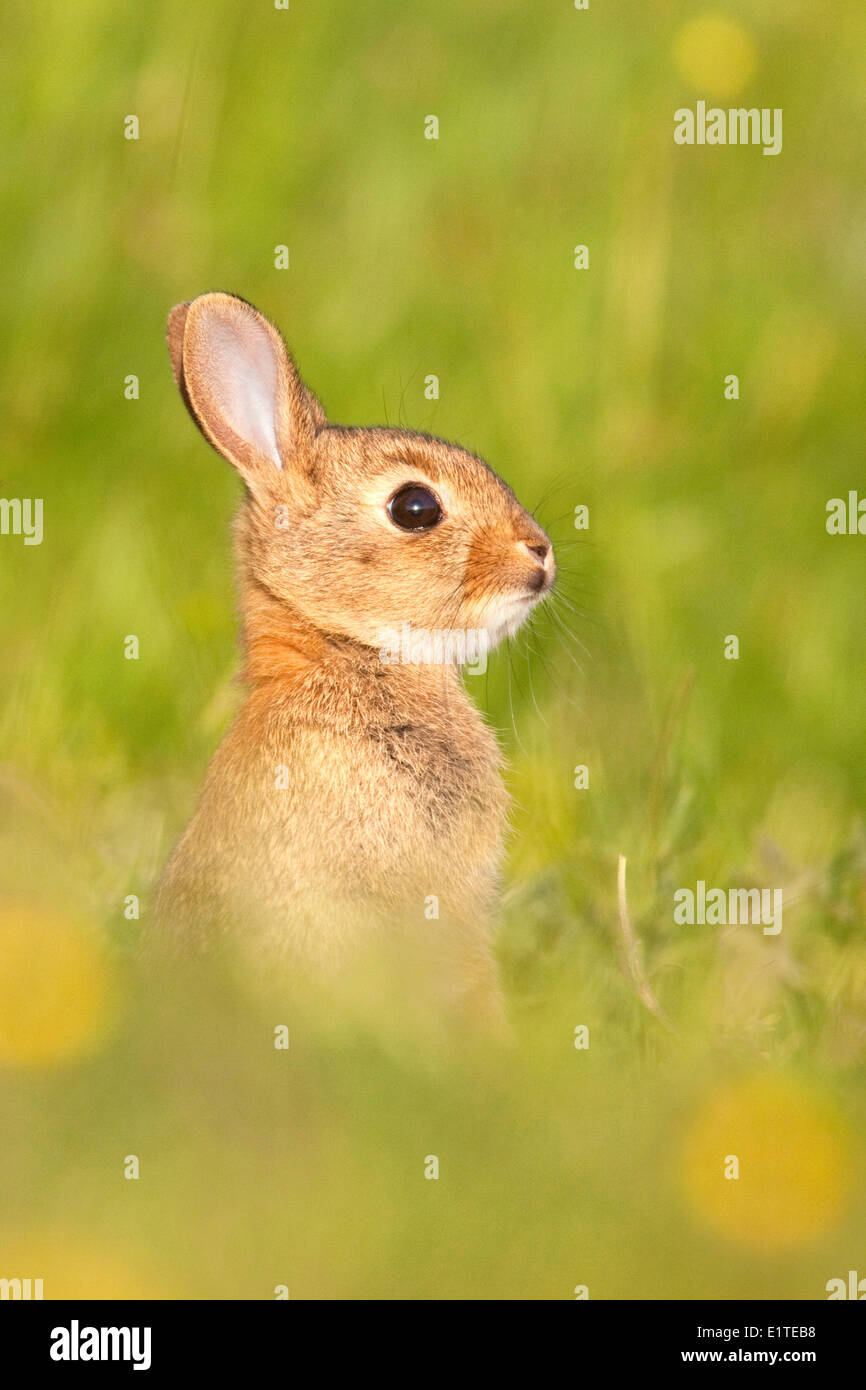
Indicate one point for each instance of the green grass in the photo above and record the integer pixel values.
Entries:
(603, 387)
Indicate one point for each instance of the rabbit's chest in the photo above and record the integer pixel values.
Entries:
(433, 803)
(443, 770)
(396, 800)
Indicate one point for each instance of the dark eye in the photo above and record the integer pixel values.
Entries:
(414, 508)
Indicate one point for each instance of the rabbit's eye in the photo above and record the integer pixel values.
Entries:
(414, 508)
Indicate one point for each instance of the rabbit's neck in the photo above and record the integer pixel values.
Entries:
(286, 652)
(279, 643)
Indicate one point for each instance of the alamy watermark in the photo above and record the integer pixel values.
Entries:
(23, 1289)
(854, 1287)
(846, 517)
(22, 516)
(77, 1343)
(737, 126)
(714, 907)
(421, 646)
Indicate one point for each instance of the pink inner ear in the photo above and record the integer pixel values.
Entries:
(244, 379)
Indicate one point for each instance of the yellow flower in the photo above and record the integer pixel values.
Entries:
(56, 989)
(715, 55)
(791, 1157)
(70, 1266)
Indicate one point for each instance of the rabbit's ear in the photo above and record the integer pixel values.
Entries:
(174, 337)
(241, 386)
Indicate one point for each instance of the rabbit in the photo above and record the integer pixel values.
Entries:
(356, 797)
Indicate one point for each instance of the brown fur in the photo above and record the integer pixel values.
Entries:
(394, 786)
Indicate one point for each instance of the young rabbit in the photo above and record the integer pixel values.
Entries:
(357, 796)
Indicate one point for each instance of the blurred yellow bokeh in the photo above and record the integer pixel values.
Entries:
(715, 54)
(57, 990)
(793, 1164)
(71, 1266)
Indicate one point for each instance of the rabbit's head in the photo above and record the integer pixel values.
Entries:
(360, 531)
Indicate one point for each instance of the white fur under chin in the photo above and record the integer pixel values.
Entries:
(502, 617)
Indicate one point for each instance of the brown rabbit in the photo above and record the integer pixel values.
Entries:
(357, 796)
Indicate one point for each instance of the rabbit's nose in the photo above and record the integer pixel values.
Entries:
(542, 551)
(542, 554)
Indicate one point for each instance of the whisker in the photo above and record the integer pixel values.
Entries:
(571, 637)
(511, 707)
